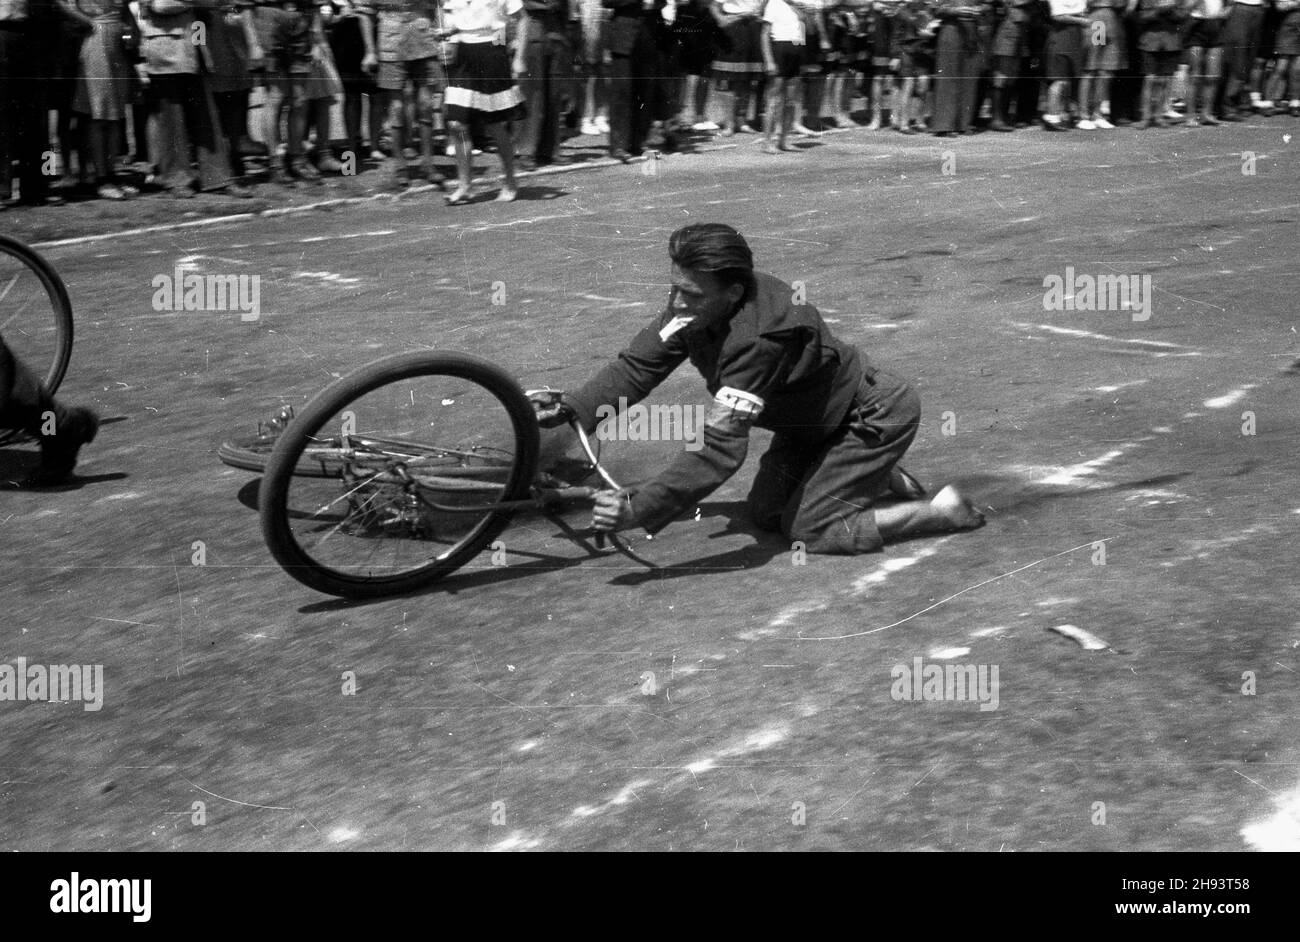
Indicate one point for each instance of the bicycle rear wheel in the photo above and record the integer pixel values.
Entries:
(392, 476)
(35, 315)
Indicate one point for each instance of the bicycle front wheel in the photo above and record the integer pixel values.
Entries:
(394, 475)
(35, 313)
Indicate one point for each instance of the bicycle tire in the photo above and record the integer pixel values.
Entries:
(273, 502)
(60, 302)
(61, 307)
(253, 452)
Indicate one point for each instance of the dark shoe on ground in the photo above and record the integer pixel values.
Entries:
(620, 154)
(304, 171)
(276, 176)
(904, 486)
(997, 124)
(59, 451)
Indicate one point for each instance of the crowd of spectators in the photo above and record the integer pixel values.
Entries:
(220, 95)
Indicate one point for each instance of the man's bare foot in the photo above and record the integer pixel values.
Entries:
(957, 509)
(508, 194)
(769, 147)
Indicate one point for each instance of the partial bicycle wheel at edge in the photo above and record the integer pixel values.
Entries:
(35, 314)
(413, 453)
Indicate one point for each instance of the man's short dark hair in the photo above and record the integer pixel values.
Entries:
(717, 249)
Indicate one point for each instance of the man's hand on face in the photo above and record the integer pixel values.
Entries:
(612, 511)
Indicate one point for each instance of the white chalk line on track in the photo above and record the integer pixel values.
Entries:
(757, 741)
(928, 608)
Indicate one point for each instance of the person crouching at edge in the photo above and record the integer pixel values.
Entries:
(830, 478)
(61, 429)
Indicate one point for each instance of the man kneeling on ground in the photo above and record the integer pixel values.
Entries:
(830, 478)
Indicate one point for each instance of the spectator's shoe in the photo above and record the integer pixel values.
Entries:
(303, 170)
(1102, 124)
(590, 129)
(110, 191)
(602, 125)
(276, 176)
(238, 191)
(1294, 110)
(805, 131)
(907, 130)
(1209, 120)
(328, 163)
(251, 148)
(59, 451)
(1231, 115)
(1052, 123)
(429, 170)
(705, 126)
(395, 170)
(185, 192)
(745, 129)
(997, 124)
(620, 154)
(378, 156)
(1086, 124)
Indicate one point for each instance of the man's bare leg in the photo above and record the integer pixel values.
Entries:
(947, 511)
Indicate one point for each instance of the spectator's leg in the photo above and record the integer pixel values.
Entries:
(167, 140)
(503, 134)
(533, 86)
(203, 129)
(620, 105)
(459, 134)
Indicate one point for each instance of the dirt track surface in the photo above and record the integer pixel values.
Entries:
(508, 708)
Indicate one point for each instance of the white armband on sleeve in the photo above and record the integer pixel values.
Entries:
(734, 408)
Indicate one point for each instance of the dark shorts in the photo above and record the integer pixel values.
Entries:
(285, 36)
(1063, 55)
(1242, 38)
(422, 73)
(1011, 39)
(1010, 66)
(1162, 63)
(1288, 38)
(1205, 34)
(915, 64)
(789, 58)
